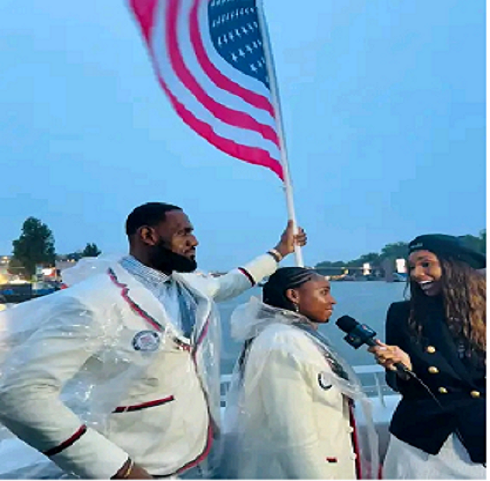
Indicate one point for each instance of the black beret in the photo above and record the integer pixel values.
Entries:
(441, 244)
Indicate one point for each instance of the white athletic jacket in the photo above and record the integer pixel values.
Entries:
(288, 412)
(104, 375)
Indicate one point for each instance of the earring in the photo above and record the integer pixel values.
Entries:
(296, 308)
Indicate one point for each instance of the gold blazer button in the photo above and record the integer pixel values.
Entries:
(442, 390)
(475, 394)
(430, 349)
(433, 370)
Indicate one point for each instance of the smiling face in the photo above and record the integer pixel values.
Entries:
(426, 272)
(314, 299)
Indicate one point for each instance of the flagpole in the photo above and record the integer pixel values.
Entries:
(276, 103)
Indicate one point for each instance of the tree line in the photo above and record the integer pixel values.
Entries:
(36, 246)
(399, 250)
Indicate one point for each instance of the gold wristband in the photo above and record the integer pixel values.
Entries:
(130, 468)
(276, 254)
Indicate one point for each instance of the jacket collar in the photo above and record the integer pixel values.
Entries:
(140, 300)
(144, 304)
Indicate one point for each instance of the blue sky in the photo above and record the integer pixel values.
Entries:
(384, 110)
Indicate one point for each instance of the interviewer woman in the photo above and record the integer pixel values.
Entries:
(438, 431)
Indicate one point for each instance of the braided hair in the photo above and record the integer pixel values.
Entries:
(274, 294)
(274, 291)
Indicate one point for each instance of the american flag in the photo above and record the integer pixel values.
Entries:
(210, 60)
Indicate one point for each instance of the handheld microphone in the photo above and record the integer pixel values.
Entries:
(359, 334)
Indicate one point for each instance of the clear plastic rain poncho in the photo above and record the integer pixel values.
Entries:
(86, 356)
(286, 408)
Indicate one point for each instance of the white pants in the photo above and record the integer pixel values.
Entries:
(452, 462)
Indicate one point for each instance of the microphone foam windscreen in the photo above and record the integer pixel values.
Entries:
(346, 323)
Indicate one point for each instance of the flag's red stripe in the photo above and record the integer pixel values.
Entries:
(145, 14)
(221, 112)
(252, 155)
(144, 11)
(225, 83)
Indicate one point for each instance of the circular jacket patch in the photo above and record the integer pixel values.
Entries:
(146, 341)
(323, 381)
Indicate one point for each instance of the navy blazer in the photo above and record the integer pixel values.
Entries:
(459, 386)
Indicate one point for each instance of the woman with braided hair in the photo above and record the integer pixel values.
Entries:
(289, 411)
(438, 430)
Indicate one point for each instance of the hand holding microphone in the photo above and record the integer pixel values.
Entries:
(390, 357)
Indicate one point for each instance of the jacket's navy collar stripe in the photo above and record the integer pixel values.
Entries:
(247, 275)
(65, 444)
(139, 407)
(124, 292)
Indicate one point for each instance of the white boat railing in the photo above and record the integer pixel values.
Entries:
(373, 380)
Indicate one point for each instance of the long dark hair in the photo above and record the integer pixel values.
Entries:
(464, 298)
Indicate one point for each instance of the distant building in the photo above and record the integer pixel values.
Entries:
(4, 274)
(63, 264)
(401, 266)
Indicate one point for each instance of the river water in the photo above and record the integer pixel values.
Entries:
(367, 302)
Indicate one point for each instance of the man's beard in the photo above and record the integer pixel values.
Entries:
(165, 260)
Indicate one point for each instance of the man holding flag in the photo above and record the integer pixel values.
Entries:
(117, 376)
